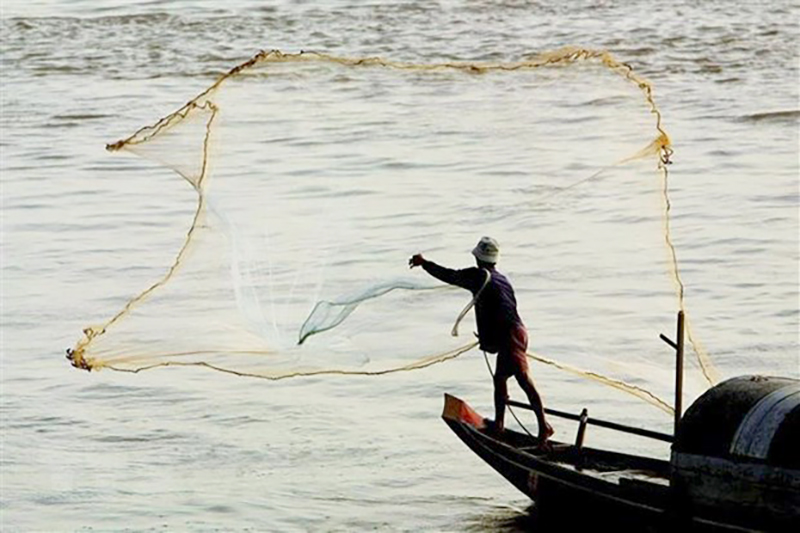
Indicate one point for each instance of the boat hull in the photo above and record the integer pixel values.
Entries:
(580, 486)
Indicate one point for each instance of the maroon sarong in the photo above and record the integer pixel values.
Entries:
(512, 360)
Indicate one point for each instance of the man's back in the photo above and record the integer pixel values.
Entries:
(496, 312)
(496, 308)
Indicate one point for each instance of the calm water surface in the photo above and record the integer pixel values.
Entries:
(190, 449)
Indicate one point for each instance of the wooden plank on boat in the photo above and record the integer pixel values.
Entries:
(601, 423)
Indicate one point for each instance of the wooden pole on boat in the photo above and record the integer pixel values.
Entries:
(584, 418)
(597, 422)
(679, 373)
(581, 459)
(678, 346)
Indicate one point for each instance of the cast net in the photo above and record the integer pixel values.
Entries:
(318, 176)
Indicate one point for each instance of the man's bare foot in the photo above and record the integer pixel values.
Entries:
(548, 432)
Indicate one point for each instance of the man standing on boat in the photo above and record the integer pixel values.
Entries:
(500, 329)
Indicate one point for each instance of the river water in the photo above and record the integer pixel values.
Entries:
(184, 449)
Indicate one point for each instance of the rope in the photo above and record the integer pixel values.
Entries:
(471, 304)
(510, 410)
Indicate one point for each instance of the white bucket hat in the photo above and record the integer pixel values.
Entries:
(487, 250)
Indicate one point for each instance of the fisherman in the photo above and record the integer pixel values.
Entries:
(500, 329)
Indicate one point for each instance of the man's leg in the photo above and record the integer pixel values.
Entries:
(525, 381)
(519, 352)
(500, 397)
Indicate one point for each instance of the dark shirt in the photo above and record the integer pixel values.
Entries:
(496, 308)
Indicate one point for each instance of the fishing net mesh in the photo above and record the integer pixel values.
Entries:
(317, 176)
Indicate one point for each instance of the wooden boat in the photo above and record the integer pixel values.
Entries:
(567, 479)
(735, 464)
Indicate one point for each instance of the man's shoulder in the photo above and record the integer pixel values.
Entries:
(474, 272)
(499, 276)
(472, 277)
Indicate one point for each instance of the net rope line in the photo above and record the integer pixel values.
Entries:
(416, 365)
(639, 392)
(565, 56)
(76, 355)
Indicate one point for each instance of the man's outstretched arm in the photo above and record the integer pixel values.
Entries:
(459, 278)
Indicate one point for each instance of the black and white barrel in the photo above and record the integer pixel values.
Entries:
(737, 452)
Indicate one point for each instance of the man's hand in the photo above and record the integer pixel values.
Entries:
(416, 260)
